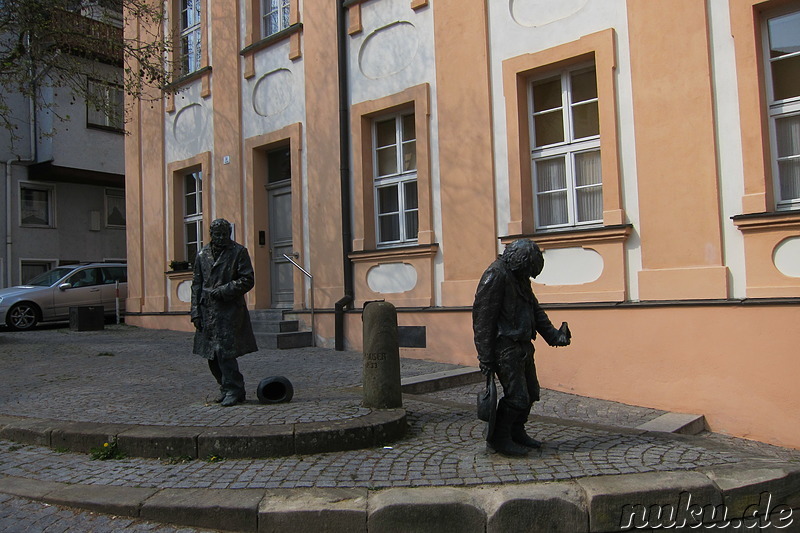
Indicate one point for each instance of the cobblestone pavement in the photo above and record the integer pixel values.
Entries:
(18, 516)
(127, 375)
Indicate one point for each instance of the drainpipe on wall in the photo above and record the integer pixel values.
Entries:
(346, 302)
(9, 163)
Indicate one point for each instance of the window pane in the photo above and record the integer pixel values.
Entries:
(389, 228)
(551, 175)
(552, 208)
(788, 136)
(412, 225)
(409, 128)
(547, 94)
(590, 204)
(587, 169)
(784, 34)
(35, 209)
(387, 161)
(191, 252)
(191, 232)
(585, 120)
(789, 172)
(191, 184)
(410, 195)
(584, 86)
(786, 78)
(385, 133)
(409, 156)
(549, 128)
(191, 205)
(387, 200)
(279, 166)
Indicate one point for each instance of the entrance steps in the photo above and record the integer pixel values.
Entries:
(272, 331)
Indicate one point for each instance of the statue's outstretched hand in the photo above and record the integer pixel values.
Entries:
(564, 336)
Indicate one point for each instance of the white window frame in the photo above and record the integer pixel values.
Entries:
(193, 219)
(51, 211)
(778, 109)
(110, 114)
(566, 149)
(281, 8)
(117, 194)
(399, 179)
(191, 33)
(48, 263)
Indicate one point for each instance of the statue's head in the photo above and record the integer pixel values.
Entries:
(220, 231)
(523, 256)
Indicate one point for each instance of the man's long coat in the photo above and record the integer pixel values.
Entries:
(226, 321)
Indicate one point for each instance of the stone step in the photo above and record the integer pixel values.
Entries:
(294, 339)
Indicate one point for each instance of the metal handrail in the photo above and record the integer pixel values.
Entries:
(311, 279)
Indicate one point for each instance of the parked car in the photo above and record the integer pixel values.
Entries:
(48, 296)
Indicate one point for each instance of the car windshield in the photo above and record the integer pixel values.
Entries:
(51, 276)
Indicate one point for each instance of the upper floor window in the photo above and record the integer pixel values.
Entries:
(106, 106)
(395, 173)
(565, 149)
(36, 206)
(193, 213)
(274, 16)
(782, 56)
(190, 36)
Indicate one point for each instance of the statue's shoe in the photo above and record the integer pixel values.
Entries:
(231, 399)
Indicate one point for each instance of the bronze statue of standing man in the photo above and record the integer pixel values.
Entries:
(222, 275)
(505, 319)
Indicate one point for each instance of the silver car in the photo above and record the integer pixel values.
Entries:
(48, 296)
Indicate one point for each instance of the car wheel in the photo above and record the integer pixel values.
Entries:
(22, 316)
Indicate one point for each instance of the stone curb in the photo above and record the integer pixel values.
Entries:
(441, 380)
(374, 429)
(593, 504)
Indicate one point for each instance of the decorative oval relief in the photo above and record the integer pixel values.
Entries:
(787, 257)
(273, 92)
(570, 266)
(392, 278)
(388, 50)
(190, 124)
(184, 291)
(533, 13)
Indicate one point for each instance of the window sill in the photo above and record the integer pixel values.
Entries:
(576, 236)
(398, 252)
(270, 39)
(767, 221)
(188, 78)
(110, 129)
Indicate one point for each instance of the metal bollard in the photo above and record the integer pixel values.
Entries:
(381, 375)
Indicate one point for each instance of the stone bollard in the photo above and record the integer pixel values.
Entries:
(381, 357)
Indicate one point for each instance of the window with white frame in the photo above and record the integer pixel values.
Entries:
(782, 56)
(193, 213)
(274, 16)
(105, 105)
(29, 269)
(395, 167)
(36, 206)
(190, 36)
(565, 149)
(115, 208)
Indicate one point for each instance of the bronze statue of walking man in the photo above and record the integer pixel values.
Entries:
(505, 319)
(222, 275)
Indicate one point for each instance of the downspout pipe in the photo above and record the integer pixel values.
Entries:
(346, 302)
(18, 161)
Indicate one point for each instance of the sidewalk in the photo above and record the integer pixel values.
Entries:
(599, 456)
